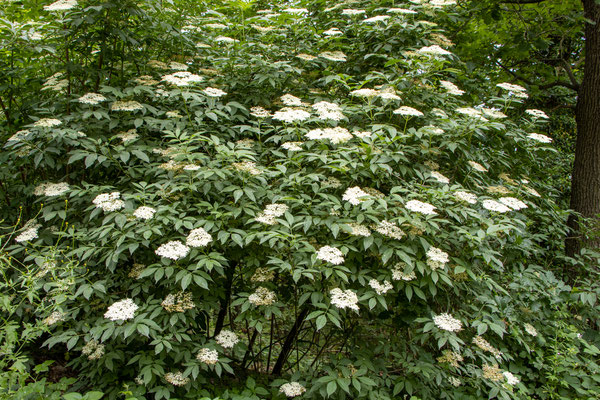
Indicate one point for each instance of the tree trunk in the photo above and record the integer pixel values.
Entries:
(289, 342)
(585, 180)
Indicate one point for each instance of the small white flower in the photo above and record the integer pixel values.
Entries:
(144, 212)
(213, 92)
(513, 203)
(262, 297)
(380, 288)
(344, 299)
(198, 238)
(447, 322)
(292, 389)
(47, 123)
(439, 177)
(420, 207)
(537, 113)
(408, 112)
(476, 166)
(493, 205)
(173, 250)
(109, 201)
(540, 138)
(355, 195)
(375, 19)
(510, 378)
(530, 329)
(434, 50)
(331, 255)
(92, 98)
(466, 197)
(208, 356)
(227, 339)
(121, 310)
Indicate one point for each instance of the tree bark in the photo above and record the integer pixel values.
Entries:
(585, 179)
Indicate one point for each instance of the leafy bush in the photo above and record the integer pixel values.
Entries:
(259, 204)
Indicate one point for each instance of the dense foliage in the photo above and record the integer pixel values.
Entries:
(253, 201)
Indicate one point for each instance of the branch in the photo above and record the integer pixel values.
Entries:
(568, 85)
(569, 71)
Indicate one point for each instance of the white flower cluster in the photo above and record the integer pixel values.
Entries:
(127, 136)
(420, 207)
(447, 322)
(359, 230)
(400, 11)
(390, 229)
(330, 255)
(537, 113)
(476, 166)
(29, 232)
(471, 112)
(333, 32)
(271, 212)
(47, 123)
(121, 310)
(173, 250)
(493, 113)
(179, 302)
(351, 12)
(327, 110)
(408, 112)
(306, 57)
(354, 195)
(53, 318)
(434, 50)
(439, 177)
(61, 5)
(291, 100)
(259, 112)
(130, 105)
(174, 65)
(510, 378)
(451, 88)
(375, 19)
(51, 189)
(182, 78)
(247, 166)
(109, 201)
(292, 389)
(198, 238)
(214, 92)
(530, 329)
(93, 350)
(291, 115)
(144, 212)
(208, 356)
(344, 299)
(337, 56)
(493, 205)
(380, 288)
(262, 274)
(227, 339)
(92, 98)
(436, 258)
(335, 135)
(176, 378)
(466, 197)
(399, 274)
(292, 146)
(540, 138)
(225, 39)
(262, 297)
(513, 203)
(454, 381)
(295, 10)
(511, 87)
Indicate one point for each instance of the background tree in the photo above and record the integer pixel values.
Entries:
(552, 47)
